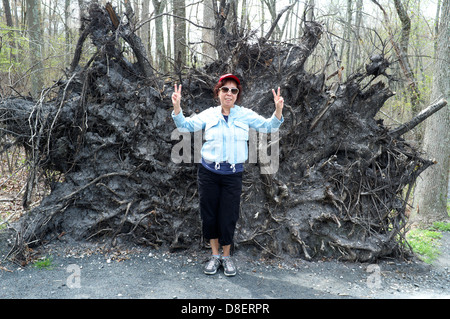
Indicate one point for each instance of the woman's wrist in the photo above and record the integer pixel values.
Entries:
(176, 110)
(279, 114)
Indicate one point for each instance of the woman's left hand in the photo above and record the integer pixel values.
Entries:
(279, 103)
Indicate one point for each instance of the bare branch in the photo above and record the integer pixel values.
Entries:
(422, 116)
(173, 16)
(274, 24)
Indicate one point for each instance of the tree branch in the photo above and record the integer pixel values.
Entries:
(430, 110)
(173, 16)
(274, 24)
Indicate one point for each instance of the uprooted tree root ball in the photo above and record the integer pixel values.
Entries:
(342, 184)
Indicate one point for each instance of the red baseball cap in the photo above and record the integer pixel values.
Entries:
(230, 76)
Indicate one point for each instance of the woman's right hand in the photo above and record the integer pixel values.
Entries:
(176, 99)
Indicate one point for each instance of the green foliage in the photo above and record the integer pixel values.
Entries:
(44, 263)
(442, 226)
(426, 242)
(13, 45)
(448, 207)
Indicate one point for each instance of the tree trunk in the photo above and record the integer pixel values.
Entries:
(179, 37)
(208, 49)
(402, 57)
(159, 36)
(145, 30)
(231, 22)
(10, 35)
(310, 6)
(67, 33)
(332, 186)
(406, 27)
(436, 25)
(8, 15)
(355, 43)
(35, 35)
(348, 38)
(271, 5)
(432, 187)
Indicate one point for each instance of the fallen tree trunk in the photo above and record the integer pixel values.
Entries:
(402, 129)
(338, 191)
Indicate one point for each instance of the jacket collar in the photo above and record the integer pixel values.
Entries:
(233, 111)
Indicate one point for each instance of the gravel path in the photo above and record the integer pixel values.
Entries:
(88, 272)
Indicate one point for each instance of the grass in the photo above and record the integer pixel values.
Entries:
(442, 226)
(426, 242)
(44, 263)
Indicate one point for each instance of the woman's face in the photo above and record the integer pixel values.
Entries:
(228, 99)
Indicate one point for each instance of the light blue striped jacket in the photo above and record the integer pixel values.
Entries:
(226, 141)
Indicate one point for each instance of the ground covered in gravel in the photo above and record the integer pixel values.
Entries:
(90, 271)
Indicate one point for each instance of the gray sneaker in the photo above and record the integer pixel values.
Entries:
(212, 266)
(229, 268)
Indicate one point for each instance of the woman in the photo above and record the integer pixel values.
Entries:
(223, 154)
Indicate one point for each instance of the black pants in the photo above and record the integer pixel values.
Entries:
(220, 198)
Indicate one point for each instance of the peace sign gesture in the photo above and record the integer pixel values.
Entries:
(279, 103)
(176, 99)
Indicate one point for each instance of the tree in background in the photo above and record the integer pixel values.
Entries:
(432, 186)
(159, 34)
(7, 9)
(179, 37)
(209, 53)
(36, 45)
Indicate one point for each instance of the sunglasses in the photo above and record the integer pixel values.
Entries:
(226, 89)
